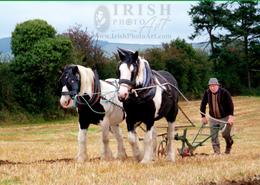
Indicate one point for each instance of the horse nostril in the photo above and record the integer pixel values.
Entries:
(121, 98)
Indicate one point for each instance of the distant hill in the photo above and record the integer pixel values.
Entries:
(204, 46)
(5, 45)
(108, 47)
(111, 48)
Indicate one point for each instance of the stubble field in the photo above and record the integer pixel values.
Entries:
(44, 154)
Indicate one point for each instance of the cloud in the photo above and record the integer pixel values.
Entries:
(153, 21)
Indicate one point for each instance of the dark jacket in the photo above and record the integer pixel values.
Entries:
(225, 103)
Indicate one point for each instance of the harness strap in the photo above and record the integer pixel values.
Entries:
(128, 82)
(161, 78)
(113, 103)
(68, 93)
(148, 81)
(114, 83)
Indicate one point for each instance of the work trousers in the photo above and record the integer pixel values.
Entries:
(215, 127)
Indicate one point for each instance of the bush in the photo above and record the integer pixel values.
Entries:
(36, 66)
(190, 67)
(6, 87)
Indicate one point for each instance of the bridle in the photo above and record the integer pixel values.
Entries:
(72, 94)
(146, 89)
(85, 98)
(130, 84)
(75, 87)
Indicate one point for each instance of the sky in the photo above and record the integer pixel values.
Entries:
(114, 21)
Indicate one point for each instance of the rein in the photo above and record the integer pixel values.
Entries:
(97, 96)
(167, 83)
(148, 81)
(86, 103)
(68, 93)
(126, 81)
(150, 84)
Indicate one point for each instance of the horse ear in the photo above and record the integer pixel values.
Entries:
(135, 56)
(75, 70)
(121, 55)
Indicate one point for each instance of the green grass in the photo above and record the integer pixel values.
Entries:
(10, 181)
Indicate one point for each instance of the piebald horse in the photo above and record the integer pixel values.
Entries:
(97, 103)
(147, 96)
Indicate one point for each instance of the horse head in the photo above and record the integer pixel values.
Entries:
(128, 69)
(70, 85)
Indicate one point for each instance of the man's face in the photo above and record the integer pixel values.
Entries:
(214, 88)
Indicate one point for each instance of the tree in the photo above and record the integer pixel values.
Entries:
(85, 49)
(87, 52)
(210, 17)
(36, 65)
(6, 86)
(154, 56)
(254, 51)
(28, 33)
(190, 67)
(244, 25)
(230, 67)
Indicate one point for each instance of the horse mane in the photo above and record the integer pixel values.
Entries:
(86, 80)
(142, 74)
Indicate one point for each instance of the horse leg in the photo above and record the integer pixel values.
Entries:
(134, 140)
(170, 136)
(106, 151)
(154, 143)
(148, 146)
(120, 144)
(82, 151)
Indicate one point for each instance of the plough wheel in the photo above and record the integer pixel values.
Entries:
(161, 152)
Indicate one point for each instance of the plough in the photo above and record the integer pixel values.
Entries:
(187, 147)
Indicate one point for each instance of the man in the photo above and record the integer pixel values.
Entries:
(221, 111)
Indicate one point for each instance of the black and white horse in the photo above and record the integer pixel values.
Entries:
(147, 96)
(97, 103)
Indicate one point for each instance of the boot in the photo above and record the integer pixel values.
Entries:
(216, 149)
(229, 145)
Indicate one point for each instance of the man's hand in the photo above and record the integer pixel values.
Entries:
(204, 120)
(230, 120)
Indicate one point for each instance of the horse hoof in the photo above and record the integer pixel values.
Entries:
(138, 158)
(145, 162)
(107, 158)
(153, 157)
(122, 156)
(170, 159)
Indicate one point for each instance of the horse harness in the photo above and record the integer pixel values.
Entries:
(113, 103)
(148, 89)
(96, 95)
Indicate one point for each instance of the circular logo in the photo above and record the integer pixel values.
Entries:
(102, 18)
